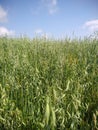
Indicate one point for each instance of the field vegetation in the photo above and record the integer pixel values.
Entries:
(48, 84)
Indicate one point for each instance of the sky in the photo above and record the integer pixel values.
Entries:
(50, 18)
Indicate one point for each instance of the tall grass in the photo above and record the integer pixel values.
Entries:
(48, 84)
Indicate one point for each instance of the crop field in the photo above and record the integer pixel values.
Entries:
(48, 84)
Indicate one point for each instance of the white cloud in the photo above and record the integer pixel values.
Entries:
(38, 31)
(3, 14)
(52, 2)
(52, 10)
(91, 25)
(50, 5)
(49, 2)
(4, 31)
(42, 33)
(93, 22)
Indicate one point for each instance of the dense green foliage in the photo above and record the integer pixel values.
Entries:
(48, 84)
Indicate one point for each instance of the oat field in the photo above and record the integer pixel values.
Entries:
(48, 84)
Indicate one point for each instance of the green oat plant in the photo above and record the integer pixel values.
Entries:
(48, 84)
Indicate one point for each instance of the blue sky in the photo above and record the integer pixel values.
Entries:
(57, 18)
